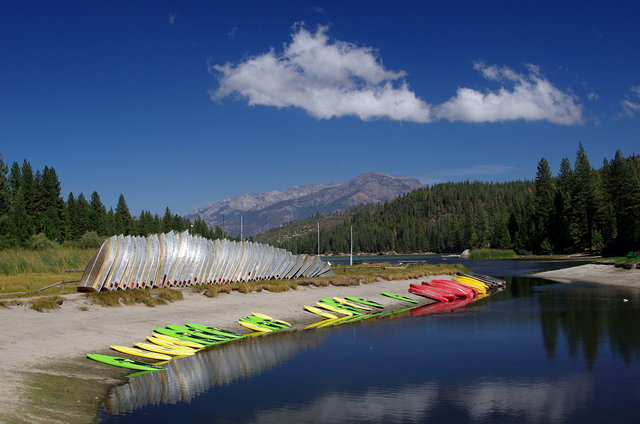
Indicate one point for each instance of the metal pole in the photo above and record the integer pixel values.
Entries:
(351, 254)
(240, 227)
(318, 238)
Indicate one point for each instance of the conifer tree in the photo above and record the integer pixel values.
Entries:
(544, 207)
(97, 215)
(123, 219)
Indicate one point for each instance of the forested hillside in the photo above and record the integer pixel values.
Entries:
(33, 215)
(579, 209)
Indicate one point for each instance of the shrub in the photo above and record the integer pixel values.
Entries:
(40, 242)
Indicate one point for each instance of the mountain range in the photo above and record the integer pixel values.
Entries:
(263, 211)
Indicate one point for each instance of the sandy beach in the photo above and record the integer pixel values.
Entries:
(35, 339)
(594, 273)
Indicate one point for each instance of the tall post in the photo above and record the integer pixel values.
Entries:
(240, 227)
(318, 238)
(351, 254)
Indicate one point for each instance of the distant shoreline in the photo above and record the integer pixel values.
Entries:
(594, 273)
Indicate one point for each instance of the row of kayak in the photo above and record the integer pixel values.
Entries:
(463, 286)
(174, 341)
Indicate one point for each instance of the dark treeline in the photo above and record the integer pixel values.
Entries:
(579, 209)
(34, 215)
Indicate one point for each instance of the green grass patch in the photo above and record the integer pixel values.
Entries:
(131, 297)
(51, 260)
(493, 254)
(46, 303)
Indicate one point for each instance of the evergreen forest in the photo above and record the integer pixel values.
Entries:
(580, 209)
(34, 215)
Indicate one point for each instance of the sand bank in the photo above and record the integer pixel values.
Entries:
(35, 339)
(593, 273)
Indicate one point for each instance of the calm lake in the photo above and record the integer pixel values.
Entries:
(537, 352)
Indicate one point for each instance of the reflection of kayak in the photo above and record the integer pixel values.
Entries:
(440, 307)
(458, 289)
(430, 292)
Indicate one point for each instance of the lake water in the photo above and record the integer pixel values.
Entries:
(537, 352)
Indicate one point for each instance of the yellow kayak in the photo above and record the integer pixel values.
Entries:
(254, 327)
(320, 312)
(263, 316)
(167, 343)
(178, 341)
(480, 287)
(346, 302)
(163, 349)
(464, 277)
(141, 352)
(332, 309)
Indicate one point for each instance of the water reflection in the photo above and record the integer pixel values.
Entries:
(188, 377)
(526, 400)
(398, 405)
(536, 352)
(589, 315)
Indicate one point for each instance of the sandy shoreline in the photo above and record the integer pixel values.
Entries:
(35, 338)
(594, 273)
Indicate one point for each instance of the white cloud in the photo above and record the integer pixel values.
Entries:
(532, 98)
(333, 78)
(327, 79)
(172, 19)
(593, 96)
(630, 108)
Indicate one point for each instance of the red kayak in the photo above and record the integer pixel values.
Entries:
(473, 292)
(456, 289)
(440, 307)
(430, 292)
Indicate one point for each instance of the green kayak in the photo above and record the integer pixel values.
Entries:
(215, 330)
(364, 301)
(187, 336)
(195, 332)
(398, 297)
(342, 306)
(118, 361)
(271, 325)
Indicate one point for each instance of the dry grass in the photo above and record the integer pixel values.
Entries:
(131, 297)
(53, 260)
(46, 303)
(351, 276)
(29, 282)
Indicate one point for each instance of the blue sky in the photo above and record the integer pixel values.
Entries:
(183, 103)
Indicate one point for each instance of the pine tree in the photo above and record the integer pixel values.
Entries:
(97, 215)
(587, 201)
(51, 205)
(544, 206)
(123, 219)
